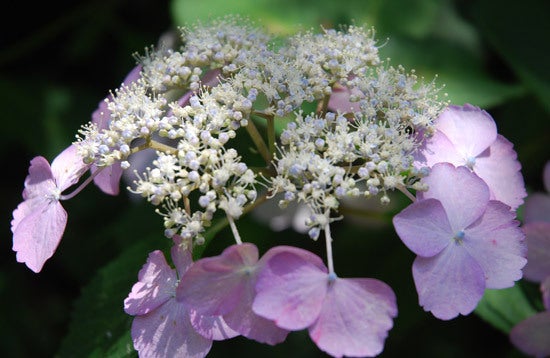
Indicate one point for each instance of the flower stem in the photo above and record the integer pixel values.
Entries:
(328, 242)
(407, 193)
(82, 185)
(259, 141)
(234, 230)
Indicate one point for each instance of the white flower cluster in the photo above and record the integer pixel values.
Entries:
(189, 103)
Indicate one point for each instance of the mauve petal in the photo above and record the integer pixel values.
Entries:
(211, 327)
(133, 75)
(339, 99)
(499, 168)
(68, 167)
(290, 291)
(469, 128)
(37, 235)
(243, 320)
(181, 256)
(101, 117)
(40, 180)
(108, 181)
(355, 318)
(211, 78)
(462, 193)
(167, 332)
(437, 149)
(496, 242)
(450, 283)
(215, 285)
(156, 285)
(538, 251)
(304, 254)
(423, 226)
(545, 289)
(531, 335)
(537, 208)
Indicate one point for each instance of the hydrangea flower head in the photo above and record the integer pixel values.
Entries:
(224, 285)
(344, 316)
(465, 242)
(39, 221)
(164, 327)
(466, 135)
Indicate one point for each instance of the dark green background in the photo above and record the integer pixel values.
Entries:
(59, 59)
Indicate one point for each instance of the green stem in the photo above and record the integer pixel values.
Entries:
(259, 141)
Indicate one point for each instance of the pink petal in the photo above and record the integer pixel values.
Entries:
(450, 283)
(290, 291)
(39, 227)
(215, 285)
(462, 193)
(108, 181)
(438, 149)
(40, 180)
(181, 255)
(68, 167)
(423, 226)
(212, 327)
(499, 168)
(252, 326)
(167, 332)
(355, 318)
(531, 335)
(538, 251)
(470, 129)
(339, 100)
(537, 208)
(156, 285)
(101, 117)
(496, 242)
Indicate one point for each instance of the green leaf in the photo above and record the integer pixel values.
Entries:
(505, 308)
(99, 325)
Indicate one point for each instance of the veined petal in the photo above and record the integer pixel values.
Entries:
(211, 327)
(462, 193)
(545, 289)
(108, 181)
(470, 129)
(215, 285)
(156, 285)
(450, 283)
(40, 181)
(290, 291)
(424, 227)
(496, 242)
(167, 332)
(531, 335)
(68, 167)
(355, 318)
(438, 149)
(499, 168)
(538, 251)
(37, 235)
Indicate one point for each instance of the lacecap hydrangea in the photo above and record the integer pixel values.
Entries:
(375, 128)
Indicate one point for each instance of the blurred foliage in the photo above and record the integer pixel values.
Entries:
(60, 59)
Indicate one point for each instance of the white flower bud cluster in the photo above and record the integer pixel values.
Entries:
(333, 56)
(134, 114)
(324, 159)
(197, 98)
